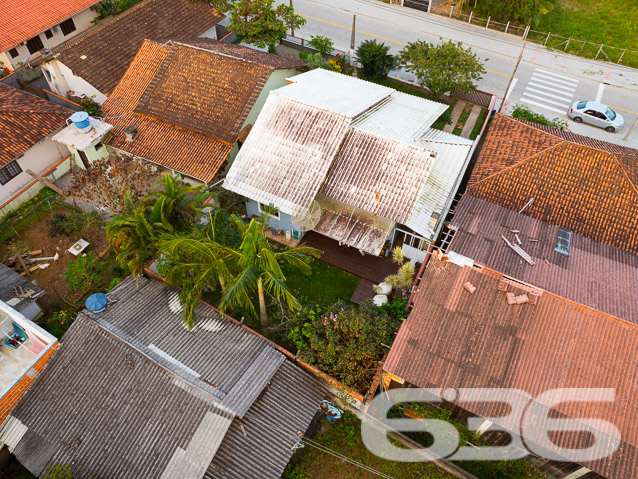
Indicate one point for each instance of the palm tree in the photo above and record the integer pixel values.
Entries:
(258, 270)
(196, 261)
(133, 237)
(175, 202)
(404, 278)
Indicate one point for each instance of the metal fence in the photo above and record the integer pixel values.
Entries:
(596, 51)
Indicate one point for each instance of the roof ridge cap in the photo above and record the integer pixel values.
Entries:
(181, 43)
(519, 163)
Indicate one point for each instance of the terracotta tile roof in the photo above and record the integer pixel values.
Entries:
(101, 55)
(589, 191)
(189, 106)
(25, 119)
(593, 274)
(24, 19)
(454, 339)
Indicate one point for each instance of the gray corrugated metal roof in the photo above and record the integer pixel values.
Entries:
(594, 274)
(10, 281)
(114, 407)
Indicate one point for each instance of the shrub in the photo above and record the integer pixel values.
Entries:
(90, 106)
(59, 322)
(375, 60)
(69, 224)
(524, 113)
(321, 43)
(83, 273)
(343, 340)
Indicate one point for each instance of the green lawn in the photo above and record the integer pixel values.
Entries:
(345, 438)
(325, 285)
(613, 23)
(479, 124)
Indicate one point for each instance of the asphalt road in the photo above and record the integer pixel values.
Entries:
(546, 81)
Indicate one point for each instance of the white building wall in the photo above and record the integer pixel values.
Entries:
(40, 158)
(82, 21)
(61, 80)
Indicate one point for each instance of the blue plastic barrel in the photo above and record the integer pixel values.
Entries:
(80, 119)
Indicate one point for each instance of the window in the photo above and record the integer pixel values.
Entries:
(13, 52)
(590, 112)
(48, 33)
(611, 114)
(581, 105)
(563, 240)
(270, 210)
(47, 74)
(9, 172)
(67, 26)
(35, 44)
(98, 145)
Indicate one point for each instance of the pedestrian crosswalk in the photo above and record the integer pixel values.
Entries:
(549, 90)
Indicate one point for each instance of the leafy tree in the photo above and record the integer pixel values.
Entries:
(321, 43)
(108, 180)
(524, 113)
(375, 59)
(526, 11)
(443, 68)
(316, 60)
(344, 341)
(258, 22)
(258, 270)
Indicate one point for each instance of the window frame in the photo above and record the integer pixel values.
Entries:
(12, 51)
(48, 34)
(261, 211)
(65, 25)
(35, 44)
(9, 172)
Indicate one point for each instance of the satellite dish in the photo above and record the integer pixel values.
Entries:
(309, 219)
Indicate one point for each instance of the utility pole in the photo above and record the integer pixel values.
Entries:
(354, 22)
(513, 75)
(292, 28)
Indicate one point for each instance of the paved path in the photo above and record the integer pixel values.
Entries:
(471, 121)
(612, 84)
(456, 113)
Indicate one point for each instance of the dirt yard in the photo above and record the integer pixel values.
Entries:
(37, 236)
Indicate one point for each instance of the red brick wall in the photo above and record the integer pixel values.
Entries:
(9, 400)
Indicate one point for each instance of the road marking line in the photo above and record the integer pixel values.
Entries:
(381, 38)
(542, 106)
(572, 90)
(626, 111)
(536, 97)
(557, 75)
(548, 94)
(511, 88)
(556, 80)
(552, 89)
(599, 94)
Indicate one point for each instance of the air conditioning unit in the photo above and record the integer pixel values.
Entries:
(56, 29)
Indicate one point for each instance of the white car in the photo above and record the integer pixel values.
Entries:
(596, 114)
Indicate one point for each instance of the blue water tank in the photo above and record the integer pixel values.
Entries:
(96, 303)
(81, 120)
